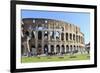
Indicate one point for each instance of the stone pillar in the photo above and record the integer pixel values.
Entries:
(49, 48)
(28, 47)
(36, 40)
(64, 35)
(65, 48)
(42, 42)
(60, 49)
(55, 48)
(68, 36)
(72, 36)
(60, 35)
(75, 38)
(49, 32)
(54, 35)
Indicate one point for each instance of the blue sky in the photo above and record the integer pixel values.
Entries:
(78, 18)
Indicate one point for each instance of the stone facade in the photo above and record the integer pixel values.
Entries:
(48, 36)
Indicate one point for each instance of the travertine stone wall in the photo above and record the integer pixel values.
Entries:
(53, 36)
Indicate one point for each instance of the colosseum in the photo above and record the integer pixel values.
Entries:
(41, 36)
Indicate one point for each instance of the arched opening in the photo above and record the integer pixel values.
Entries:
(74, 37)
(57, 35)
(77, 48)
(39, 35)
(71, 49)
(74, 50)
(45, 49)
(33, 50)
(45, 35)
(63, 49)
(62, 28)
(39, 49)
(58, 49)
(52, 49)
(62, 36)
(79, 39)
(33, 34)
(67, 49)
(26, 33)
(66, 36)
(70, 36)
(52, 35)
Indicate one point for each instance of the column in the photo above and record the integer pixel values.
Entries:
(75, 38)
(49, 50)
(65, 48)
(55, 48)
(36, 39)
(60, 35)
(54, 35)
(42, 42)
(60, 49)
(72, 37)
(48, 32)
(64, 36)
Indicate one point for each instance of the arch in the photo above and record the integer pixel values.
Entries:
(45, 49)
(45, 35)
(74, 49)
(71, 48)
(33, 50)
(52, 48)
(66, 36)
(62, 28)
(63, 49)
(40, 35)
(57, 35)
(33, 35)
(74, 37)
(58, 48)
(51, 35)
(79, 39)
(77, 48)
(67, 48)
(70, 36)
(62, 36)
(39, 49)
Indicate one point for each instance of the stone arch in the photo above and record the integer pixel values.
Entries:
(39, 49)
(52, 48)
(67, 49)
(62, 36)
(70, 36)
(33, 50)
(71, 49)
(62, 28)
(45, 49)
(39, 35)
(45, 35)
(63, 49)
(33, 34)
(58, 48)
(74, 37)
(74, 49)
(66, 36)
(79, 39)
